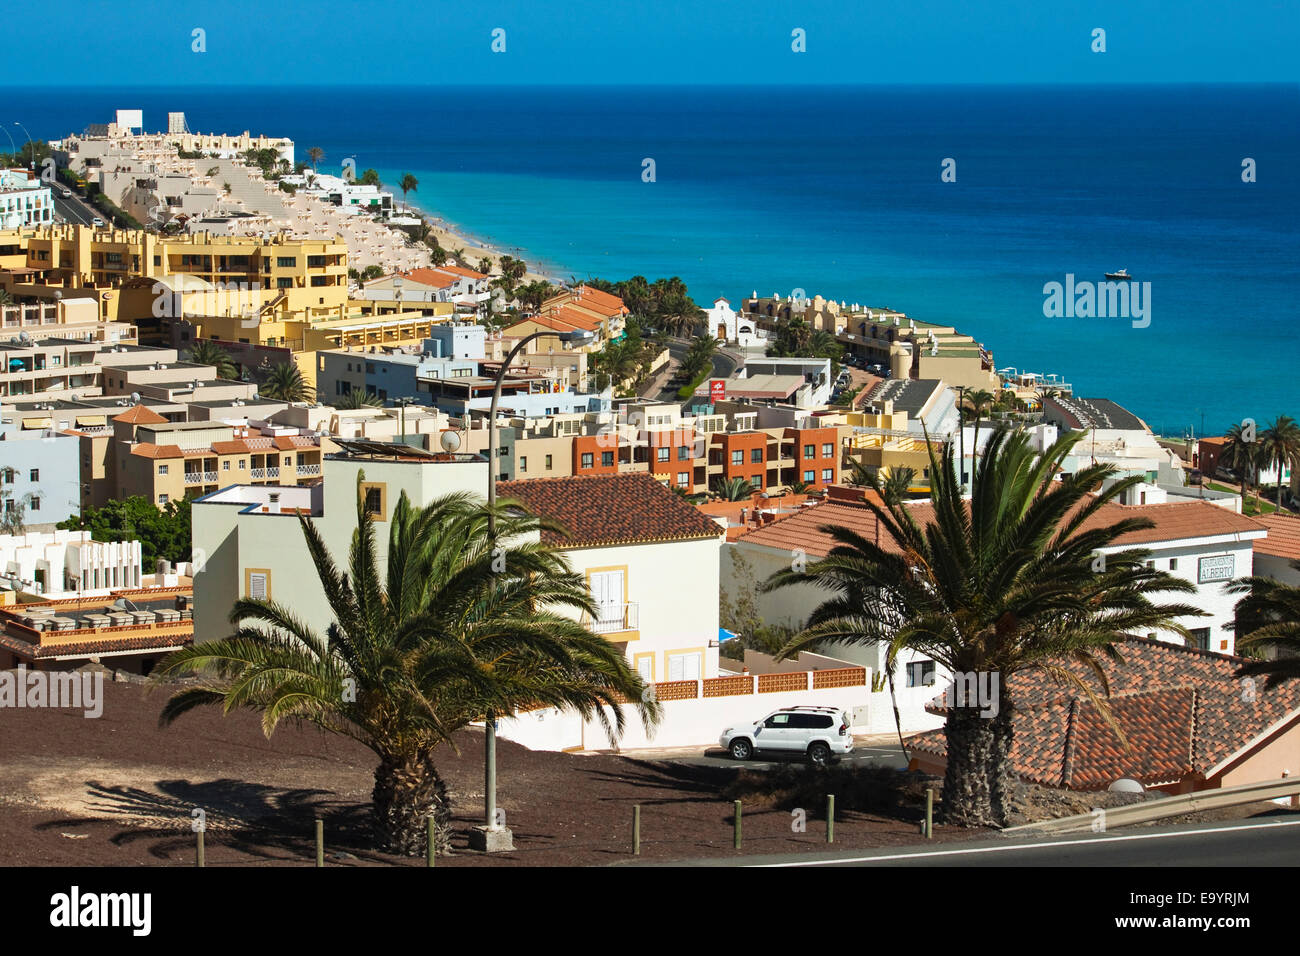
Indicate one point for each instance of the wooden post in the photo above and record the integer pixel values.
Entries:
(320, 842)
(736, 825)
(431, 842)
(198, 859)
(636, 829)
(929, 812)
(830, 818)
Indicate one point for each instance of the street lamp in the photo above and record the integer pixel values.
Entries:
(12, 145)
(31, 165)
(492, 837)
(402, 403)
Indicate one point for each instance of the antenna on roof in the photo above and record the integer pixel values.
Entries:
(135, 398)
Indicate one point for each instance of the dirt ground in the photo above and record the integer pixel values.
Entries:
(120, 791)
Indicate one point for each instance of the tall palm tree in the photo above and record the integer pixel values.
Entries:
(418, 650)
(1268, 618)
(207, 352)
(1279, 445)
(284, 383)
(315, 154)
(1242, 456)
(977, 400)
(409, 184)
(1003, 583)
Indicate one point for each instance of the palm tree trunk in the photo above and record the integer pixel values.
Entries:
(893, 699)
(968, 780)
(407, 790)
(1005, 782)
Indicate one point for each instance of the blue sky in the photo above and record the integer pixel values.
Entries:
(600, 42)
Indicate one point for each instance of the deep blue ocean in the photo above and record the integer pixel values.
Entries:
(838, 191)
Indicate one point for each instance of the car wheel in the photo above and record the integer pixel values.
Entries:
(819, 755)
(741, 749)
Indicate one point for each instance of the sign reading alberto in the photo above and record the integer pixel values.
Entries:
(1216, 568)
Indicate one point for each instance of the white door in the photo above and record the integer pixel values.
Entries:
(683, 666)
(607, 592)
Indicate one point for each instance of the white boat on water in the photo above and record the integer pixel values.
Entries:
(1122, 275)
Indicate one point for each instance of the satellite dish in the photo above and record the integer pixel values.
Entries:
(135, 398)
(450, 442)
(1127, 785)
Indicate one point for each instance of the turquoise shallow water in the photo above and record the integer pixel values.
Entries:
(837, 191)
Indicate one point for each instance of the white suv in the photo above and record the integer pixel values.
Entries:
(818, 732)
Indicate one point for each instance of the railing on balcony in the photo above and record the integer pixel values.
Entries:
(193, 477)
(309, 469)
(615, 617)
(266, 472)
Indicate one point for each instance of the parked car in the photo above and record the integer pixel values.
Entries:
(819, 733)
(66, 193)
(1194, 476)
(96, 221)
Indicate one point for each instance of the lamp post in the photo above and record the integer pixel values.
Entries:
(961, 437)
(492, 837)
(32, 164)
(401, 403)
(13, 146)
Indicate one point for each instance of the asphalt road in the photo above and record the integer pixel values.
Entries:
(1252, 842)
(724, 364)
(861, 757)
(75, 210)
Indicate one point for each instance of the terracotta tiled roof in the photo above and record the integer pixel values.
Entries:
(1182, 711)
(429, 277)
(460, 271)
(29, 651)
(1283, 539)
(1173, 522)
(140, 415)
(610, 509)
(148, 450)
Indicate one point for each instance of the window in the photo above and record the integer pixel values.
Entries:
(375, 496)
(1173, 564)
(241, 464)
(662, 453)
(36, 474)
(810, 476)
(738, 457)
(162, 499)
(756, 482)
(1200, 638)
(684, 666)
(523, 463)
(683, 479)
(284, 282)
(286, 262)
(607, 459)
(756, 455)
(162, 469)
(828, 474)
(683, 452)
(548, 462)
(225, 466)
(587, 459)
(920, 674)
(810, 451)
(36, 504)
(257, 583)
(828, 450)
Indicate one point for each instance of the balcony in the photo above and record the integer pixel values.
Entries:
(200, 477)
(612, 618)
(309, 469)
(266, 473)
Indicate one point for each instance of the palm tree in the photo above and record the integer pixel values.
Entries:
(733, 489)
(315, 154)
(859, 476)
(799, 487)
(977, 400)
(358, 398)
(1006, 582)
(1268, 617)
(284, 383)
(207, 352)
(419, 650)
(409, 184)
(897, 484)
(1279, 444)
(1242, 456)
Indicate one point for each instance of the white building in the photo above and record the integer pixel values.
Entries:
(350, 196)
(730, 326)
(24, 200)
(62, 564)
